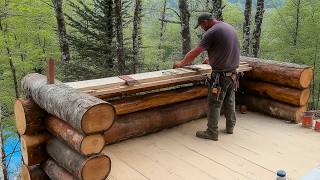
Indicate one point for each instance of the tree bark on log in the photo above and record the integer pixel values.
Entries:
(291, 96)
(33, 148)
(55, 172)
(33, 173)
(138, 103)
(83, 112)
(286, 74)
(91, 168)
(148, 121)
(29, 117)
(274, 108)
(86, 145)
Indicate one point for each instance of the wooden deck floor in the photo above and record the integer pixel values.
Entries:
(260, 146)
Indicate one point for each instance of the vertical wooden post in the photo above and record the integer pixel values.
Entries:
(51, 71)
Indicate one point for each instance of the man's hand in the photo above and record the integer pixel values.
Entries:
(206, 61)
(177, 64)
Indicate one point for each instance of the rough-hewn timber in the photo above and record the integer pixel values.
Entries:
(274, 108)
(147, 121)
(86, 145)
(297, 97)
(85, 113)
(33, 173)
(286, 74)
(29, 117)
(55, 172)
(138, 103)
(87, 168)
(33, 148)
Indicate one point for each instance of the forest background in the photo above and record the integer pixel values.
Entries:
(101, 38)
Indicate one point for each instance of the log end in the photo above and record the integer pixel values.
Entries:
(306, 77)
(304, 98)
(24, 151)
(96, 168)
(25, 175)
(299, 114)
(92, 144)
(20, 117)
(98, 118)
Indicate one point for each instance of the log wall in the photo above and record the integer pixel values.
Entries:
(63, 130)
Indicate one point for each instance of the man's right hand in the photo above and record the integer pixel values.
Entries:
(206, 61)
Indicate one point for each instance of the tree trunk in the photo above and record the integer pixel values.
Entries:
(33, 148)
(3, 169)
(86, 145)
(91, 168)
(291, 96)
(163, 23)
(246, 28)
(55, 172)
(83, 112)
(119, 36)
(217, 9)
(33, 173)
(257, 30)
(29, 117)
(138, 103)
(274, 108)
(296, 28)
(62, 32)
(136, 35)
(148, 121)
(185, 29)
(286, 74)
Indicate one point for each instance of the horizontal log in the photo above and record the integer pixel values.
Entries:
(33, 148)
(86, 145)
(33, 173)
(138, 103)
(88, 168)
(29, 117)
(83, 112)
(274, 108)
(148, 121)
(286, 74)
(55, 172)
(284, 94)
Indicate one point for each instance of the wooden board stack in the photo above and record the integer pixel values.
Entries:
(276, 88)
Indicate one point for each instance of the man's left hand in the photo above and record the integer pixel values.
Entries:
(177, 64)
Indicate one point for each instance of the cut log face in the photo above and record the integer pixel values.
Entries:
(292, 96)
(33, 148)
(286, 74)
(55, 172)
(86, 145)
(33, 173)
(152, 120)
(83, 112)
(134, 104)
(274, 108)
(89, 168)
(29, 117)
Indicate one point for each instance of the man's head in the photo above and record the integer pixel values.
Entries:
(205, 20)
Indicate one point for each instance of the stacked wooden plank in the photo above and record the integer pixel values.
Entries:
(62, 131)
(276, 88)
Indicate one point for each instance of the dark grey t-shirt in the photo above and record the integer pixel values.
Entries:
(222, 44)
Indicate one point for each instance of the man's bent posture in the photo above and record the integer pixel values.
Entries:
(222, 44)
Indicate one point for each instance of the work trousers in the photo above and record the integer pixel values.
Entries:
(226, 97)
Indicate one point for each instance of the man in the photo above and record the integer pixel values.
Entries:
(221, 42)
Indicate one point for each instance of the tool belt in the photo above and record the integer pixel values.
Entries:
(213, 83)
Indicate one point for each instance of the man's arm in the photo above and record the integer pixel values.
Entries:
(190, 56)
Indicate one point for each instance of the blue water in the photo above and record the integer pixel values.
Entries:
(13, 159)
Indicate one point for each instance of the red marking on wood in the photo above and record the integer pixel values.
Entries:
(307, 120)
(51, 71)
(317, 126)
